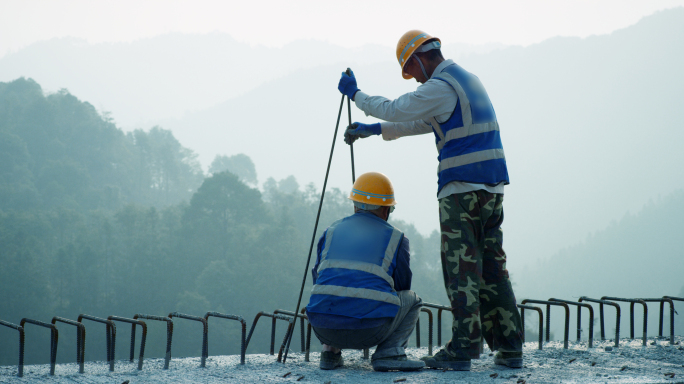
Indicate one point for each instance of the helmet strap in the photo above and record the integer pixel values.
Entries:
(422, 68)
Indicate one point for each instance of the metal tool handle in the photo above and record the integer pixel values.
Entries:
(351, 146)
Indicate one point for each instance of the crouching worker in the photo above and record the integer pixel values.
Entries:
(362, 295)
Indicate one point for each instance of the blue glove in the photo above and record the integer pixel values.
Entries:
(347, 85)
(359, 130)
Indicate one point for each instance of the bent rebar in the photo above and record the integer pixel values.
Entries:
(429, 312)
(111, 333)
(439, 309)
(579, 318)
(308, 335)
(133, 323)
(672, 298)
(169, 333)
(617, 317)
(205, 333)
(548, 318)
(20, 369)
(631, 313)
(80, 339)
(290, 313)
(243, 347)
(541, 322)
(288, 335)
(54, 337)
(256, 320)
(662, 312)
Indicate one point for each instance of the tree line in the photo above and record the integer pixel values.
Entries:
(94, 220)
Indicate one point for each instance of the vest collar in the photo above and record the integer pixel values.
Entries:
(441, 67)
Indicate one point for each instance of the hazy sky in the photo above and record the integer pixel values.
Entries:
(348, 23)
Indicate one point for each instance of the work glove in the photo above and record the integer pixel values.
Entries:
(347, 85)
(360, 130)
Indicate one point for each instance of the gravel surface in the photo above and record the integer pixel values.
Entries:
(658, 362)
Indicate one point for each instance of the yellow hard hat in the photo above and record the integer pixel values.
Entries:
(373, 188)
(408, 44)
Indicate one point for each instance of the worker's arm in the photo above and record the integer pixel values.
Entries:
(402, 273)
(435, 98)
(391, 131)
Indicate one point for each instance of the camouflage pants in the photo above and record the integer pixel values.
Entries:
(475, 275)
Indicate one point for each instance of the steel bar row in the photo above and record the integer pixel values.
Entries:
(288, 316)
(111, 336)
(581, 303)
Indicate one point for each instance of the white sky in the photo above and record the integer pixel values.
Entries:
(349, 23)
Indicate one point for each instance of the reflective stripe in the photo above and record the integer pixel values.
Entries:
(360, 293)
(466, 113)
(363, 193)
(410, 43)
(358, 266)
(391, 249)
(328, 240)
(459, 133)
(469, 158)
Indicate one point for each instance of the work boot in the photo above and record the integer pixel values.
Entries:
(509, 359)
(443, 360)
(331, 360)
(397, 363)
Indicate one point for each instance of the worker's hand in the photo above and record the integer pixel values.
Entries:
(360, 130)
(347, 85)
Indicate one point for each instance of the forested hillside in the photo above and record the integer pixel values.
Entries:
(96, 221)
(639, 256)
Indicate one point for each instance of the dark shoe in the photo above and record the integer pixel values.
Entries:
(443, 360)
(509, 359)
(397, 363)
(331, 360)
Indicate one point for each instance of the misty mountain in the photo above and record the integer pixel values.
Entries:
(591, 128)
(638, 256)
(167, 75)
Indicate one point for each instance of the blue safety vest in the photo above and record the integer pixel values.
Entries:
(355, 271)
(469, 143)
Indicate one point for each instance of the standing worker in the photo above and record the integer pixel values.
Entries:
(453, 104)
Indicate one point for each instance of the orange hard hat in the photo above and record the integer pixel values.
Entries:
(373, 188)
(408, 44)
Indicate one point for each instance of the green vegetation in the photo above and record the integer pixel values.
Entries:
(94, 220)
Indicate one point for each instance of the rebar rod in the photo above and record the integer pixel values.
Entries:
(110, 332)
(288, 335)
(169, 333)
(143, 338)
(20, 368)
(548, 317)
(579, 318)
(54, 338)
(80, 339)
(631, 314)
(541, 322)
(617, 317)
(243, 346)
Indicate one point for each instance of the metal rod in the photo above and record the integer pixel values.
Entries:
(548, 317)
(169, 333)
(110, 334)
(288, 336)
(631, 313)
(205, 347)
(617, 316)
(80, 339)
(351, 146)
(20, 371)
(54, 338)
